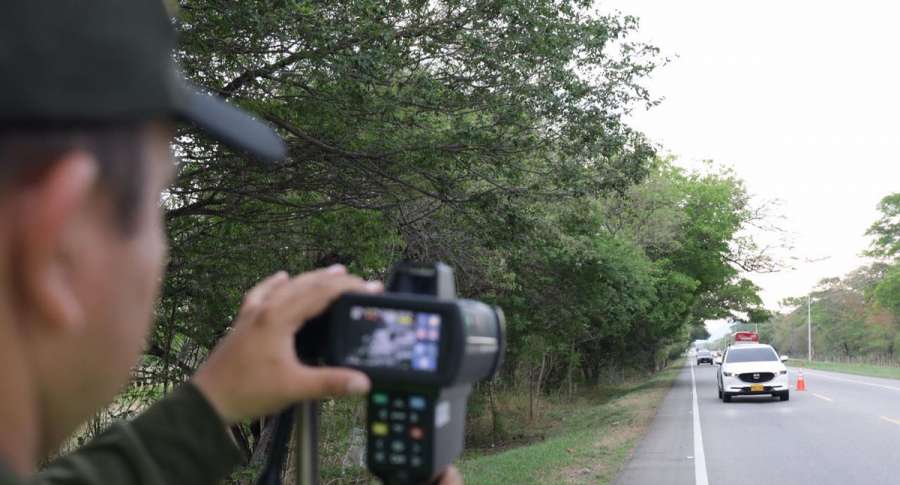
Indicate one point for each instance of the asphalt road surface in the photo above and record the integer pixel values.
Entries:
(844, 429)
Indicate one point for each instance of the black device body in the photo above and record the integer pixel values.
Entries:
(423, 349)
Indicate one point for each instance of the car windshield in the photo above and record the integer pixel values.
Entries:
(703, 352)
(761, 354)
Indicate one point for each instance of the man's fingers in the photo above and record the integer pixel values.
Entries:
(335, 269)
(313, 293)
(257, 295)
(451, 476)
(309, 294)
(317, 382)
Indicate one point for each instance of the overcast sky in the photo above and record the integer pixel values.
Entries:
(801, 98)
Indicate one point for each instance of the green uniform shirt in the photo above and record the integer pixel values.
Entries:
(179, 440)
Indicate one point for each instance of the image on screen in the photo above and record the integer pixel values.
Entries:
(395, 339)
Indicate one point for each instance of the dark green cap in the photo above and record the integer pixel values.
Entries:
(100, 61)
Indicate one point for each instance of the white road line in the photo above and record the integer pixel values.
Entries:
(890, 420)
(824, 398)
(700, 476)
(828, 376)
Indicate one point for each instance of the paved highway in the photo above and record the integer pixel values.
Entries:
(844, 429)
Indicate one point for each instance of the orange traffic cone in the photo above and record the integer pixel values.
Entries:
(801, 383)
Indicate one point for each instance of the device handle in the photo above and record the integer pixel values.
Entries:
(306, 449)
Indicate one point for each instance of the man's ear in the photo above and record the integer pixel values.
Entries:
(47, 205)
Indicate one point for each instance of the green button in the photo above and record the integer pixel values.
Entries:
(379, 398)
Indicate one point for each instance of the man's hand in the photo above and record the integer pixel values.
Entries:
(450, 476)
(254, 371)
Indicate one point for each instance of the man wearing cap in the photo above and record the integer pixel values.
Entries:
(87, 107)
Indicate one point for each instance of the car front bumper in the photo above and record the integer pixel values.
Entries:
(735, 386)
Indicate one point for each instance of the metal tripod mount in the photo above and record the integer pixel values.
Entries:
(306, 444)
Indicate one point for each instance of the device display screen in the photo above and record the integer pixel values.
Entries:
(391, 338)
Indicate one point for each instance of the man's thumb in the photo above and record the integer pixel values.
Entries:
(330, 381)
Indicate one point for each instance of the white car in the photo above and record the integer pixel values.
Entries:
(704, 355)
(752, 369)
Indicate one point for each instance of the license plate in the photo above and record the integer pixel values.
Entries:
(756, 388)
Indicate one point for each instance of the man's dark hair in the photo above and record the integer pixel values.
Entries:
(26, 153)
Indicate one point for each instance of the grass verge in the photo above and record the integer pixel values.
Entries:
(591, 439)
(847, 368)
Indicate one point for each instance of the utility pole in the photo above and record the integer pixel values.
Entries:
(790, 330)
(809, 348)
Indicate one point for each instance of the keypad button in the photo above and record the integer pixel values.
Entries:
(416, 433)
(399, 403)
(397, 459)
(382, 414)
(380, 398)
(413, 418)
(415, 461)
(397, 428)
(378, 444)
(398, 446)
(398, 416)
(378, 457)
(379, 429)
(416, 448)
(417, 403)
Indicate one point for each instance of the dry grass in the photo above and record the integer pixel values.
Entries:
(617, 439)
(584, 440)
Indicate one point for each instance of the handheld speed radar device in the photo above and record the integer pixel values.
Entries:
(423, 349)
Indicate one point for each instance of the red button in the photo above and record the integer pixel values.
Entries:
(416, 433)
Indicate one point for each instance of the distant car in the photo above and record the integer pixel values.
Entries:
(704, 355)
(750, 370)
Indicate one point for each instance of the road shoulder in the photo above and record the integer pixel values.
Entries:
(665, 454)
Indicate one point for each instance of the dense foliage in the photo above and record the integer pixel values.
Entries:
(487, 134)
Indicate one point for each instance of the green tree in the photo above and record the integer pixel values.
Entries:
(886, 230)
(848, 316)
(699, 332)
(886, 246)
(887, 293)
(489, 135)
(423, 130)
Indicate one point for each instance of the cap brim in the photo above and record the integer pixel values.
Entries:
(232, 126)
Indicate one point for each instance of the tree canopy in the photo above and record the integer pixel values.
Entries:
(886, 230)
(489, 135)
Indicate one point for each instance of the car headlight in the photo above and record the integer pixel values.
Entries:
(728, 374)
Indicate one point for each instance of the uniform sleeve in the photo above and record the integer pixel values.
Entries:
(179, 440)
